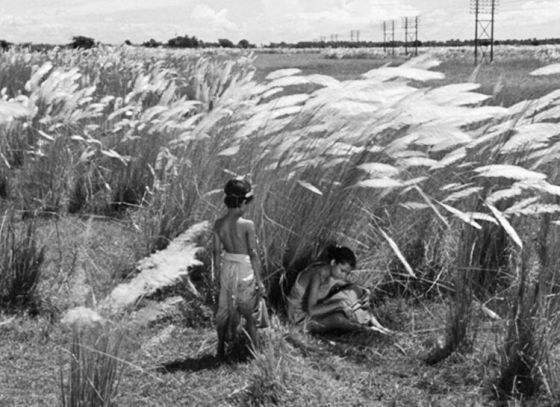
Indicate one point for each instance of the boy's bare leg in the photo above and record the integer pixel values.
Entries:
(222, 330)
(252, 331)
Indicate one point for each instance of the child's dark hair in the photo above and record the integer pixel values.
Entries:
(237, 191)
(340, 254)
(234, 201)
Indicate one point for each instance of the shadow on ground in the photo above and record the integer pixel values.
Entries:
(237, 353)
(205, 362)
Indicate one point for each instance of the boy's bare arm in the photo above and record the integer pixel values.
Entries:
(216, 252)
(253, 253)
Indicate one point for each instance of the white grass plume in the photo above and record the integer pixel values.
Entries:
(531, 137)
(509, 171)
(10, 110)
(159, 270)
(280, 73)
(552, 69)
(506, 225)
(463, 193)
(395, 248)
(82, 316)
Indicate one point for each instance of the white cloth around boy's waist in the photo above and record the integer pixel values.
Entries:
(236, 258)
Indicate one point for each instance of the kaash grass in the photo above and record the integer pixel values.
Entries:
(238, 269)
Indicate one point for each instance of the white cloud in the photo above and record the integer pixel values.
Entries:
(205, 15)
(294, 20)
(11, 20)
(529, 13)
(77, 8)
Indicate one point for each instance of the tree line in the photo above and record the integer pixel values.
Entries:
(187, 41)
(431, 43)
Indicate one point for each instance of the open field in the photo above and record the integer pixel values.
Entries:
(341, 69)
(509, 74)
(448, 194)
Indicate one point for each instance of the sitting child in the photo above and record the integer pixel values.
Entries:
(322, 298)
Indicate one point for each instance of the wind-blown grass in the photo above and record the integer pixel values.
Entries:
(92, 126)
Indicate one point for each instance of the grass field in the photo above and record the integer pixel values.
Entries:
(510, 74)
(112, 154)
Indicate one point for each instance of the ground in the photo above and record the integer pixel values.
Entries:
(170, 364)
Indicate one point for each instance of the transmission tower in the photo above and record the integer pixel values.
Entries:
(410, 25)
(385, 36)
(393, 37)
(484, 12)
(389, 37)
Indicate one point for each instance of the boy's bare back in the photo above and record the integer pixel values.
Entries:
(235, 234)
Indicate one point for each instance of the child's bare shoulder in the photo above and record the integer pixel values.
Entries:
(315, 270)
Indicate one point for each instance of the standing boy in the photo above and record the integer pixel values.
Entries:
(235, 249)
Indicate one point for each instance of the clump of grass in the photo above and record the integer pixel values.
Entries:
(20, 263)
(533, 327)
(459, 332)
(269, 381)
(519, 376)
(95, 369)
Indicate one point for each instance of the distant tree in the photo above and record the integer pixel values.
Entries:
(244, 44)
(127, 42)
(184, 42)
(225, 43)
(80, 41)
(4, 45)
(151, 43)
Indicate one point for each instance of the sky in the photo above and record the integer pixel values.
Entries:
(264, 21)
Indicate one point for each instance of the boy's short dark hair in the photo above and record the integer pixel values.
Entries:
(340, 254)
(237, 191)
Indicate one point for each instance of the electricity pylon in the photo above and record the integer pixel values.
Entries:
(484, 12)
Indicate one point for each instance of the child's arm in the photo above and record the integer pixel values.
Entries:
(317, 308)
(254, 255)
(216, 261)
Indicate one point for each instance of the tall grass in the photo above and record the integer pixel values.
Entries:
(527, 362)
(21, 260)
(95, 369)
(95, 125)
